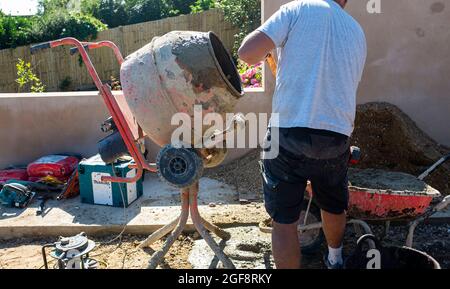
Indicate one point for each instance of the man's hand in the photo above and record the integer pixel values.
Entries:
(255, 47)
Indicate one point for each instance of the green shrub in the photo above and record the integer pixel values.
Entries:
(59, 24)
(202, 5)
(17, 31)
(65, 83)
(14, 31)
(123, 12)
(27, 79)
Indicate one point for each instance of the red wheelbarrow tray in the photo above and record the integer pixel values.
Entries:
(381, 195)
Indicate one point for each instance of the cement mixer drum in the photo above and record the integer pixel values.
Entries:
(175, 73)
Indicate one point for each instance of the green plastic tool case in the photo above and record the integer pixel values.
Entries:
(94, 191)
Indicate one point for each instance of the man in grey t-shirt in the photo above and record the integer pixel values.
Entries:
(321, 56)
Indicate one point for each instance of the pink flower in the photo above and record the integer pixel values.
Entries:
(251, 73)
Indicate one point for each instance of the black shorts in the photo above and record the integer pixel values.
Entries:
(306, 154)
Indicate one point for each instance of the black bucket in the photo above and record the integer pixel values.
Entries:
(388, 257)
(112, 147)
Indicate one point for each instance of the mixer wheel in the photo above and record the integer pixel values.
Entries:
(180, 167)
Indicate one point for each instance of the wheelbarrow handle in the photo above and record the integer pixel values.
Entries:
(442, 205)
(41, 46)
(434, 167)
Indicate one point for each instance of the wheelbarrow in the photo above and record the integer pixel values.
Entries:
(380, 203)
(179, 72)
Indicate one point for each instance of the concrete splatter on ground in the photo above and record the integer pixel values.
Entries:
(248, 248)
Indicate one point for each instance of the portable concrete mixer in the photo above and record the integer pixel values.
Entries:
(170, 75)
(173, 74)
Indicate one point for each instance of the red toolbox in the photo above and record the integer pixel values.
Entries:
(58, 166)
(13, 174)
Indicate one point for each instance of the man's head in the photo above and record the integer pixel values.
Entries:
(341, 2)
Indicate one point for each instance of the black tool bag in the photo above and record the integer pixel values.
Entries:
(387, 257)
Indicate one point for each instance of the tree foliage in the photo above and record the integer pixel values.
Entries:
(202, 5)
(53, 21)
(59, 24)
(14, 31)
(123, 12)
(84, 19)
(244, 14)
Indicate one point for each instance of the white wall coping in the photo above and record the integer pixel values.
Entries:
(49, 94)
(83, 93)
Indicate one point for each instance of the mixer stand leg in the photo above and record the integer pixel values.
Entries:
(189, 204)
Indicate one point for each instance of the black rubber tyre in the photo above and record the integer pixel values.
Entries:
(311, 241)
(179, 167)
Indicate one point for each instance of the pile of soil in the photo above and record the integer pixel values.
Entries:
(388, 138)
(243, 174)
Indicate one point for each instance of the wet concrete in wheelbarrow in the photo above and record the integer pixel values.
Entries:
(385, 180)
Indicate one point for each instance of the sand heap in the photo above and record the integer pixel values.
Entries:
(388, 139)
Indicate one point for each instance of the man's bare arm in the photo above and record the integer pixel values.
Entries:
(255, 47)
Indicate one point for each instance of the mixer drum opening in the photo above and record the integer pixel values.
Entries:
(225, 63)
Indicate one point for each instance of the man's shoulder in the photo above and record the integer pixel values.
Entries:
(353, 23)
(297, 4)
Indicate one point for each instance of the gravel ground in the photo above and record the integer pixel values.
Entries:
(431, 239)
(243, 174)
(25, 253)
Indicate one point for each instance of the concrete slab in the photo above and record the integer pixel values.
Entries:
(218, 202)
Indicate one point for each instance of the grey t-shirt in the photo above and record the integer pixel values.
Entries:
(321, 56)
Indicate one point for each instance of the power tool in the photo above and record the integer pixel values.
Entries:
(71, 253)
(16, 195)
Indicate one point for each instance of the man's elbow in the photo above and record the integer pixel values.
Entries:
(247, 56)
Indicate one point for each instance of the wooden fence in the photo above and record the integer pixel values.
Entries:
(56, 66)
